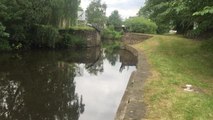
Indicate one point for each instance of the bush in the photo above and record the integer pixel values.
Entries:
(4, 44)
(163, 28)
(45, 36)
(141, 25)
(71, 41)
(110, 33)
(3, 34)
(193, 33)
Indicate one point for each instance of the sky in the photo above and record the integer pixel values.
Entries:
(126, 8)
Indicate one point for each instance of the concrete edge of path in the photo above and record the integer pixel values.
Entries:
(132, 106)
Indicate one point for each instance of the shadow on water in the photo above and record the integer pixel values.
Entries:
(39, 85)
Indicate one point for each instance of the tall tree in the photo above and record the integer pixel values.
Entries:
(96, 13)
(182, 14)
(115, 19)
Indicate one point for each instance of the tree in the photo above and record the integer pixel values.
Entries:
(4, 44)
(20, 18)
(3, 34)
(115, 19)
(96, 13)
(181, 14)
(152, 10)
(141, 25)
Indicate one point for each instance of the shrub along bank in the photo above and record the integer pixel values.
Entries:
(49, 37)
(34, 23)
(4, 44)
(140, 25)
(43, 36)
(111, 33)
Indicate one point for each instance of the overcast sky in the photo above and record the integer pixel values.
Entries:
(126, 8)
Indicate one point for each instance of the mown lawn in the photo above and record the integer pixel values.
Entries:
(176, 61)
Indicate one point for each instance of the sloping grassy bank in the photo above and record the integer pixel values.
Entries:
(175, 62)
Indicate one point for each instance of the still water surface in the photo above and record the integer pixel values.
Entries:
(63, 85)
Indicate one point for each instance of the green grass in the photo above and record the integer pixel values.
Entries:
(176, 61)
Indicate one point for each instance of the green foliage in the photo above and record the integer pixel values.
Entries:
(72, 41)
(110, 33)
(4, 44)
(45, 36)
(21, 16)
(206, 10)
(141, 25)
(79, 42)
(67, 41)
(193, 33)
(179, 14)
(3, 34)
(96, 13)
(115, 19)
(163, 28)
(151, 10)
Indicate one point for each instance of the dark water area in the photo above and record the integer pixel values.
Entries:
(63, 85)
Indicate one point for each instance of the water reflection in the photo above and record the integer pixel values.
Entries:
(103, 93)
(38, 86)
(46, 85)
(126, 58)
(112, 55)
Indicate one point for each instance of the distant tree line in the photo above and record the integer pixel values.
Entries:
(189, 17)
(22, 20)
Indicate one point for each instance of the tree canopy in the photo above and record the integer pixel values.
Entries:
(115, 19)
(186, 16)
(141, 25)
(96, 13)
(18, 17)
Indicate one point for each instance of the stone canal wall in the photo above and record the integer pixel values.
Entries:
(132, 106)
(92, 37)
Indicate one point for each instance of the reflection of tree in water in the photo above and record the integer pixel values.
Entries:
(95, 67)
(111, 55)
(126, 58)
(38, 88)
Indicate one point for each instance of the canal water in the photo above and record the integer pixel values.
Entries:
(63, 85)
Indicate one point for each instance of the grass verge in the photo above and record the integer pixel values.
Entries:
(176, 61)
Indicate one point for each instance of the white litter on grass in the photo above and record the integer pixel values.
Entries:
(188, 88)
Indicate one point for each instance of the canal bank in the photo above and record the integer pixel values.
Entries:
(132, 106)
